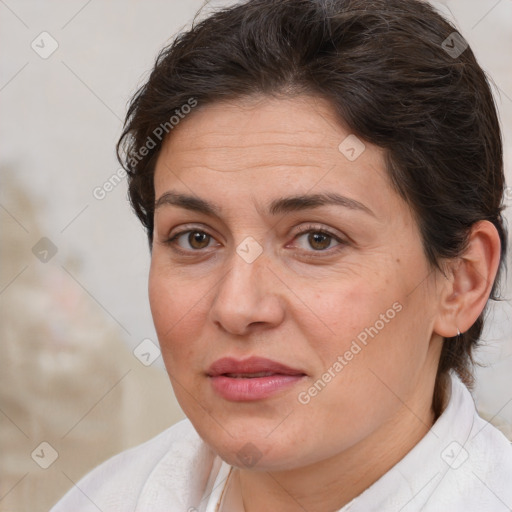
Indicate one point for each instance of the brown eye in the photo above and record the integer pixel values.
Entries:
(319, 241)
(198, 239)
(191, 240)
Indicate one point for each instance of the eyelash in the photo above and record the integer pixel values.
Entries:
(302, 231)
(311, 228)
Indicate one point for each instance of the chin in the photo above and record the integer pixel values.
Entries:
(249, 443)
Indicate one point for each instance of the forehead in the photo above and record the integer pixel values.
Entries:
(243, 127)
(262, 144)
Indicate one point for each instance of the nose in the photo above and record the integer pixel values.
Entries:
(247, 298)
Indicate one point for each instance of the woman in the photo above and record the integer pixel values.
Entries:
(321, 183)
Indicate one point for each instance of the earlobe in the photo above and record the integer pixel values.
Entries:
(468, 288)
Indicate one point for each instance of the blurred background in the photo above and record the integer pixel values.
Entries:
(81, 377)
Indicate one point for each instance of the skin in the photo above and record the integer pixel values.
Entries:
(301, 303)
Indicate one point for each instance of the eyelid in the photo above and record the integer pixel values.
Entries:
(315, 228)
(308, 228)
(184, 229)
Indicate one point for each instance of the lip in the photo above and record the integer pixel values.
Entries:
(250, 365)
(231, 378)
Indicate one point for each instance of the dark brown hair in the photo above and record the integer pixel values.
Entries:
(395, 74)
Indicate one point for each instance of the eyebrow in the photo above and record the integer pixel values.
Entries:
(276, 207)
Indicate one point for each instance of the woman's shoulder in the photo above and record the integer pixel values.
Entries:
(490, 454)
(479, 472)
(464, 463)
(121, 482)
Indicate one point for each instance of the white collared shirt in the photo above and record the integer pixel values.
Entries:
(463, 464)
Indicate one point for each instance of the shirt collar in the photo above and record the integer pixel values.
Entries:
(412, 482)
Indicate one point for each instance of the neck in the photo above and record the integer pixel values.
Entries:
(330, 484)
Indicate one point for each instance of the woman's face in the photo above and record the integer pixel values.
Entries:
(336, 287)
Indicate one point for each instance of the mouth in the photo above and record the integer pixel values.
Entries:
(252, 367)
(249, 375)
(251, 379)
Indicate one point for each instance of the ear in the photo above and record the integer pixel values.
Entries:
(467, 288)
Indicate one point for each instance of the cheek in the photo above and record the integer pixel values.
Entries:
(366, 322)
(365, 345)
(176, 308)
(354, 308)
(162, 301)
